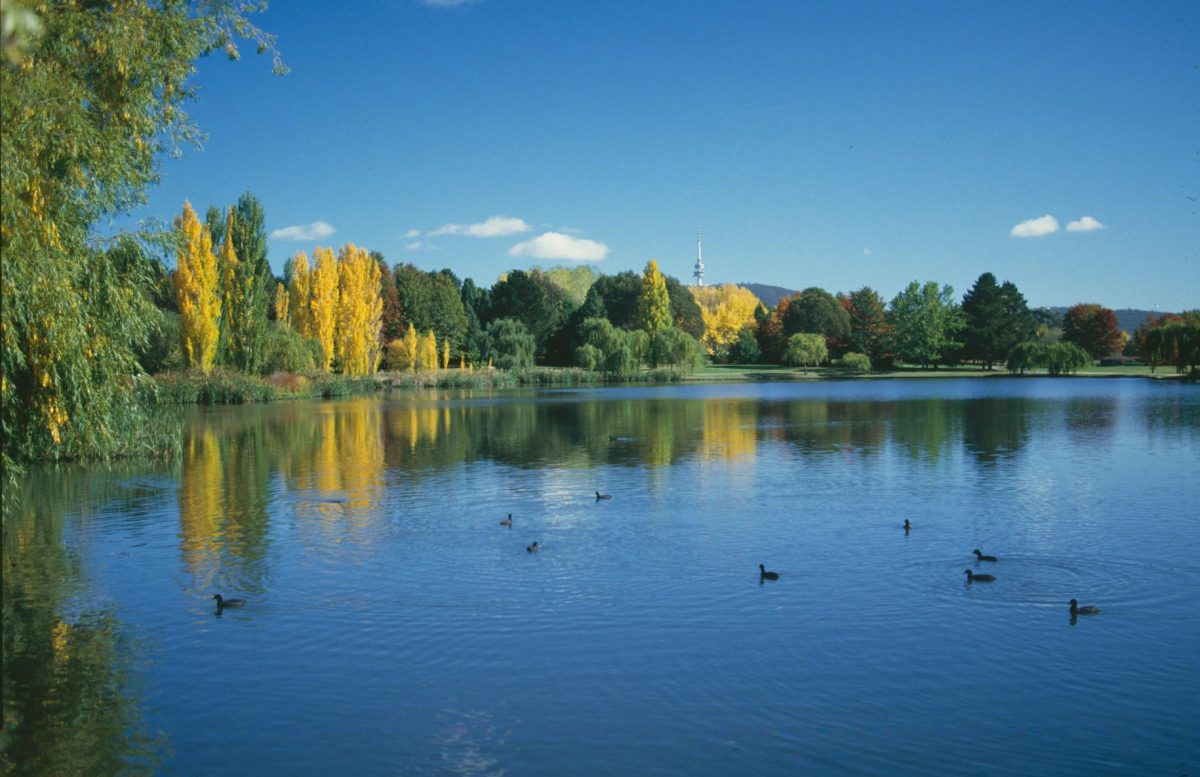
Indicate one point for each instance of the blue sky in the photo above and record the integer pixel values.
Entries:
(834, 145)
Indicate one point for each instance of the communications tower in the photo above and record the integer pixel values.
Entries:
(698, 271)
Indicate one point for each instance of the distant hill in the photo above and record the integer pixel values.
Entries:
(769, 295)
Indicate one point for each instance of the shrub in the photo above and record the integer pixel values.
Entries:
(285, 350)
(857, 362)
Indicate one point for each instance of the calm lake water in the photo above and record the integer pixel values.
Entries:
(394, 627)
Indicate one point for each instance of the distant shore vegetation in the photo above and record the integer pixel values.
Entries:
(88, 316)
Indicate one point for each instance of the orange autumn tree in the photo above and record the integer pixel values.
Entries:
(197, 290)
(359, 311)
(323, 303)
(299, 295)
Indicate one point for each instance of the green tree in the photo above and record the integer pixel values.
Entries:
(926, 322)
(995, 318)
(654, 304)
(744, 349)
(1093, 328)
(619, 294)
(574, 282)
(244, 312)
(532, 300)
(432, 301)
(816, 310)
(857, 362)
(806, 348)
(685, 313)
(870, 330)
(509, 344)
(675, 347)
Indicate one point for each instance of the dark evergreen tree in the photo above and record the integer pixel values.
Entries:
(685, 313)
(816, 311)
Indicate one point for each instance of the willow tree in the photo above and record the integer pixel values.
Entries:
(197, 288)
(87, 109)
(654, 303)
(359, 311)
(322, 302)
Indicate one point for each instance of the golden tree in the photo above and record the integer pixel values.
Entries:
(427, 352)
(227, 267)
(726, 310)
(322, 303)
(359, 311)
(196, 289)
(300, 295)
(654, 303)
(281, 305)
(445, 354)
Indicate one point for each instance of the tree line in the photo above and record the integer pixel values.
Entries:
(92, 96)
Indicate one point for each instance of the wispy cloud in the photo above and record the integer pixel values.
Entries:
(1046, 225)
(422, 245)
(556, 245)
(444, 3)
(496, 226)
(313, 231)
(410, 234)
(867, 252)
(1085, 224)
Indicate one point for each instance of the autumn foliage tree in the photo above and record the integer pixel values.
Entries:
(870, 330)
(322, 303)
(300, 295)
(1093, 328)
(197, 290)
(726, 310)
(281, 305)
(359, 311)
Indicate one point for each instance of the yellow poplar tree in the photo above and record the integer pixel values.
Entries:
(426, 352)
(281, 305)
(359, 311)
(445, 354)
(654, 304)
(196, 288)
(300, 294)
(323, 302)
(726, 310)
(411, 343)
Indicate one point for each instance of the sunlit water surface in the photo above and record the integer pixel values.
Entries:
(393, 626)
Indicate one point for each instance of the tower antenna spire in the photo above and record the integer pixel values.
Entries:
(698, 271)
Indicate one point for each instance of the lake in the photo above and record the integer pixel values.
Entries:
(393, 626)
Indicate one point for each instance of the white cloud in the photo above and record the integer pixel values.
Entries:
(1046, 225)
(410, 234)
(414, 246)
(556, 245)
(496, 226)
(444, 3)
(867, 252)
(1085, 224)
(313, 231)
(422, 245)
